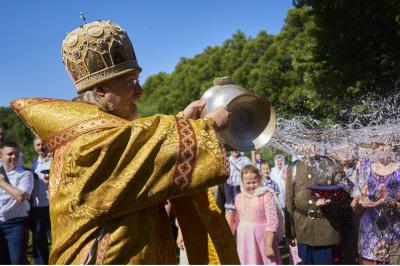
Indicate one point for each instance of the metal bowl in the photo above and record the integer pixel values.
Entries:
(252, 121)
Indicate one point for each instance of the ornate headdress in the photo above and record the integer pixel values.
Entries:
(97, 52)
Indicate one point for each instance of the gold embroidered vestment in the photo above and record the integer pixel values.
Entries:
(110, 178)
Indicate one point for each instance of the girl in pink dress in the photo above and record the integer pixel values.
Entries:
(256, 221)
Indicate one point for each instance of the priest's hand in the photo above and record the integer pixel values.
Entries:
(221, 117)
(194, 109)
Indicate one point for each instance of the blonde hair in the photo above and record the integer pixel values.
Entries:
(250, 169)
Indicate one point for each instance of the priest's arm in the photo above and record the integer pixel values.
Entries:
(105, 165)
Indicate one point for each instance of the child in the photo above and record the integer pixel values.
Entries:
(256, 221)
(266, 179)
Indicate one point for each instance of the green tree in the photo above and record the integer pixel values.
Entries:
(356, 43)
(18, 132)
(327, 55)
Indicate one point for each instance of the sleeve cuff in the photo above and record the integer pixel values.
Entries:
(180, 115)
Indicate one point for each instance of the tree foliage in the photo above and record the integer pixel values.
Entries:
(356, 43)
(327, 56)
(18, 132)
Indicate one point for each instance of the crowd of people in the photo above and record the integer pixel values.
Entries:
(264, 206)
(24, 203)
(334, 208)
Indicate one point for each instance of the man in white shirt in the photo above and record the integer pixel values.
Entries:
(39, 214)
(16, 185)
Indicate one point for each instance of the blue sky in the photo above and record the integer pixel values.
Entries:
(161, 31)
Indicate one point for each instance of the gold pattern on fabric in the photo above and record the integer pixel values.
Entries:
(85, 251)
(104, 75)
(215, 145)
(210, 141)
(208, 238)
(161, 234)
(212, 253)
(48, 118)
(193, 231)
(224, 154)
(22, 103)
(101, 252)
(59, 139)
(143, 237)
(222, 247)
(186, 156)
(120, 175)
(57, 170)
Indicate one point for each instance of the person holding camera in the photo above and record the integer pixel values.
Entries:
(39, 214)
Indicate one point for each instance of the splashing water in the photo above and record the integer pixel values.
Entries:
(378, 123)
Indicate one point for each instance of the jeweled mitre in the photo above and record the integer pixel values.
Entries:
(97, 52)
